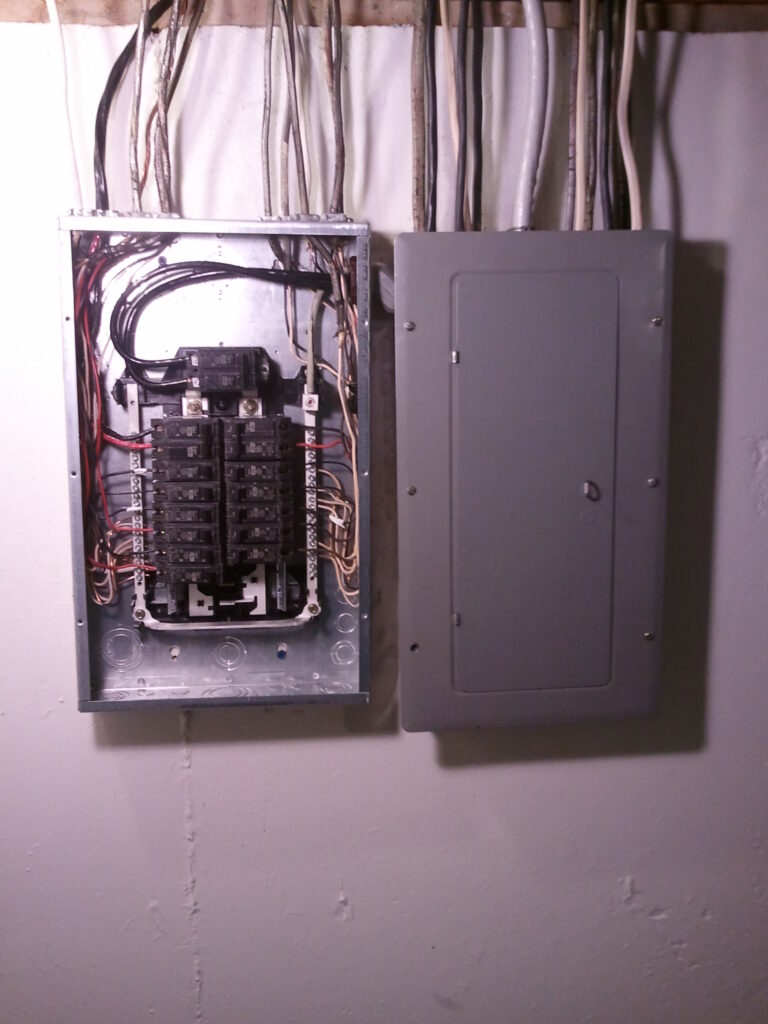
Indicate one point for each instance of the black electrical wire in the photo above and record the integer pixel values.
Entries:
(125, 437)
(477, 114)
(431, 115)
(166, 279)
(102, 114)
(461, 102)
(604, 115)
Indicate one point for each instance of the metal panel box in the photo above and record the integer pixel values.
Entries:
(532, 403)
(218, 445)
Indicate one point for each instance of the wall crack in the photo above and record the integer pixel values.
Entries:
(191, 901)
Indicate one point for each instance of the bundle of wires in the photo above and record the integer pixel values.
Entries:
(171, 70)
(108, 537)
(424, 117)
(600, 145)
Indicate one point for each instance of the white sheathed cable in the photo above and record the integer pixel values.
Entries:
(580, 198)
(538, 81)
(55, 20)
(622, 116)
(450, 75)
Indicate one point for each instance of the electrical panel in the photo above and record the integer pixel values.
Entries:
(532, 377)
(217, 401)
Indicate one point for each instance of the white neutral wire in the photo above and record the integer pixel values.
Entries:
(538, 82)
(622, 116)
(55, 20)
(450, 75)
(582, 98)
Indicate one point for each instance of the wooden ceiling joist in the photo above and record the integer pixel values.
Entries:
(691, 16)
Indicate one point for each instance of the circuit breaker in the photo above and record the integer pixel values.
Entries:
(532, 376)
(216, 378)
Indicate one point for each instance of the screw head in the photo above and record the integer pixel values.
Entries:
(194, 405)
(657, 321)
(649, 636)
(139, 614)
(250, 407)
(653, 481)
(411, 490)
(409, 325)
(313, 609)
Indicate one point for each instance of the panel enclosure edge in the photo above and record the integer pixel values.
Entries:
(326, 661)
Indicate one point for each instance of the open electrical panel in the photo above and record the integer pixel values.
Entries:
(217, 403)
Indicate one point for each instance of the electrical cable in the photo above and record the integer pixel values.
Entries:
(538, 83)
(269, 31)
(477, 115)
(418, 114)
(580, 198)
(178, 68)
(289, 53)
(450, 73)
(335, 56)
(55, 20)
(461, 107)
(138, 75)
(162, 143)
(105, 103)
(431, 116)
(572, 86)
(604, 116)
(589, 197)
(622, 116)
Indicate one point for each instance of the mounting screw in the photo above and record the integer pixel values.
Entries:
(139, 614)
(194, 405)
(313, 609)
(409, 325)
(653, 481)
(658, 321)
(250, 407)
(411, 490)
(649, 636)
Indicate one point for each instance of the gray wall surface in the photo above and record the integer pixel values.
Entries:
(320, 866)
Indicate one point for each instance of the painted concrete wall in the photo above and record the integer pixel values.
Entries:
(318, 866)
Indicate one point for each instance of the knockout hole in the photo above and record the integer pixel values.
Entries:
(282, 651)
(174, 652)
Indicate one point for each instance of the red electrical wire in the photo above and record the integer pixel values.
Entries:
(318, 447)
(134, 446)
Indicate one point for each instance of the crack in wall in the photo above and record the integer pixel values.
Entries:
(191, 901)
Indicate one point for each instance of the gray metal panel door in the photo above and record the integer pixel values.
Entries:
(522, 600)
(532, 453)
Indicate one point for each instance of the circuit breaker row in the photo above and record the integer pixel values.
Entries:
(223, 495)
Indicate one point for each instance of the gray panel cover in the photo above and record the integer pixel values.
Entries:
(532, 409)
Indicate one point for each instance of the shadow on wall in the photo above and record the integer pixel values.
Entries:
(254, 724)
(680, 724)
